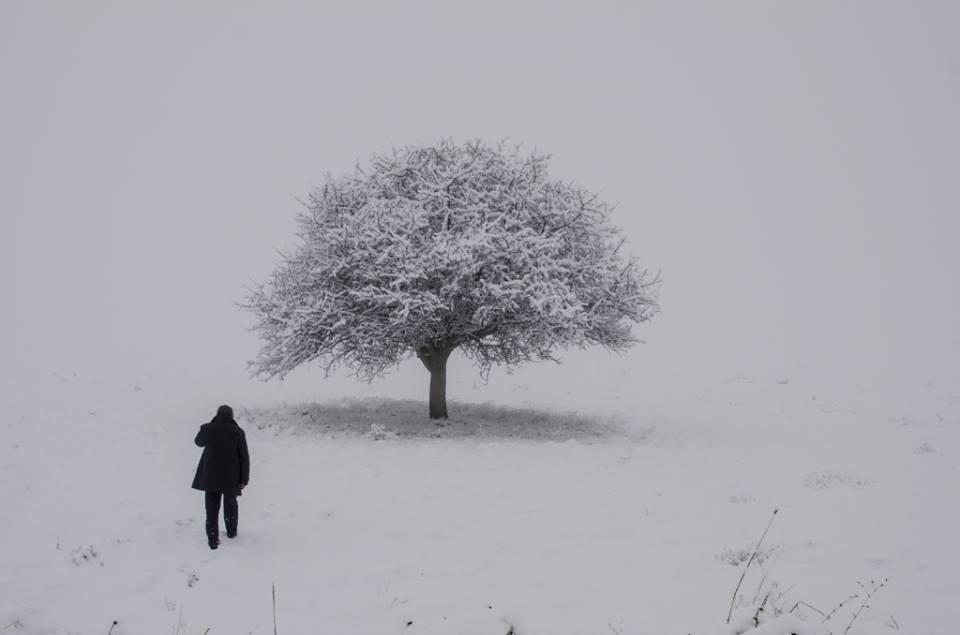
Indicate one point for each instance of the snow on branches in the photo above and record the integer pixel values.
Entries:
(453, 246)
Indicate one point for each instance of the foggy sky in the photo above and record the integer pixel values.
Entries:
(792, 168)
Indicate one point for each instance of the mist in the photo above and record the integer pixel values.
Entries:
(791, 169)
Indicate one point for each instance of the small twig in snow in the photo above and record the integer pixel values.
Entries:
(756, 615)
(753, 557)
(864, 604)
(809, 606)
(273, 588)
(838, 607)
(763, 579)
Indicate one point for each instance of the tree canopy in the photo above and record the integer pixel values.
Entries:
(452, 246)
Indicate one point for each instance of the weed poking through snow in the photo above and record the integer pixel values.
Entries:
(85, 556)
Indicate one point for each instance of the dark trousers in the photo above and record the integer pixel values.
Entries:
(230, 515)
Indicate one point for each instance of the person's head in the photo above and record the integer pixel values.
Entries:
(225, 411)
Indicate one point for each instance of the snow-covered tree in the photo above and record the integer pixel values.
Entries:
(467, 247)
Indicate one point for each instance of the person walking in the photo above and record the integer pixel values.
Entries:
(223, 471)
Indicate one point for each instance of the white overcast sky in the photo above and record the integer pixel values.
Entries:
(793, 168)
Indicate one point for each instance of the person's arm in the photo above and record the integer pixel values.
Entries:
(244, 461)
(201, 439)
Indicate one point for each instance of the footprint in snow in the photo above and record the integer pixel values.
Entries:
(826, 479)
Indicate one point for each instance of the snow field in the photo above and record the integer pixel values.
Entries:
(588, 529)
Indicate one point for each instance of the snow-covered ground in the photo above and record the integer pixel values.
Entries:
(791, 167)
(622, 507)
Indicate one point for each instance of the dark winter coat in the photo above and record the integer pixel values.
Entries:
(225, 464)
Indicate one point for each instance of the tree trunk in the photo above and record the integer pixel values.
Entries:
(436, 362)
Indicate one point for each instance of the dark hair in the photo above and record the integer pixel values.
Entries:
(225, 411)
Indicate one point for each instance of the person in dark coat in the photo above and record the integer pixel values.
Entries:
(223, 471)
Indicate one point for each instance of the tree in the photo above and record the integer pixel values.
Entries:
(466, 247)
